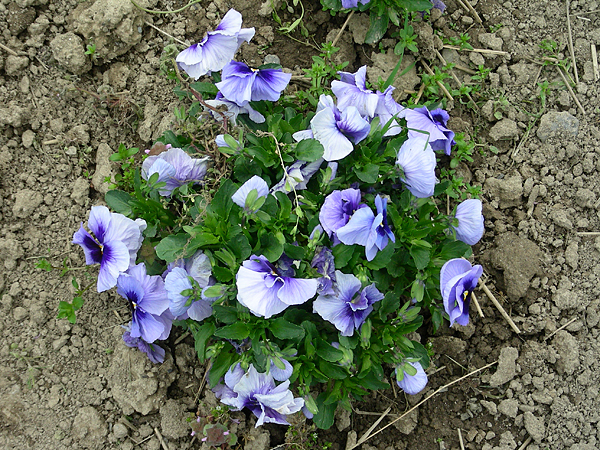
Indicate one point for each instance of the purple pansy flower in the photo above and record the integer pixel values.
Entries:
(258, 392)
(281, 374)
(240, 83)
(298, 176)
(255, 183)
(324, 262)
(412, 384)
(470, 221)
(337, 209)
(217, 48)
(233, 110)
(416, 158)
(352, 91)
(147, 301)
(117, 241)
(174, 167)
(265, 291)
(389, 109)
(353, 3)
(458, 279)
(155, 353)
(433, 123)
(197, 267)
(336, 130)
(348, 308)
(367, 229)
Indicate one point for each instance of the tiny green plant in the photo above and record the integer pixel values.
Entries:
(124, 179)
(91, 51)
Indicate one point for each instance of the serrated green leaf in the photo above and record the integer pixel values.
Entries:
(236, 331)
(367, 174)
(119, 201)
(327, 351)
(309, 150)
(220, 365)
(324, 418)
(171, 247)
(282, 329)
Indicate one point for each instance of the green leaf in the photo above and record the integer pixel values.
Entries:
(327, 351)
(371, 381)
(222, 274)
(200, 240)
(415, 5)
(309, 150)
(282, 329)
(225, 314)
(389, 304)
(237, 331)
(240, 246)
(368, 173)
(421, 256)
(382, 258)
(202, 333)
(77, 303)
(324, 418)
(220, 365)
(205, 87)
(342, 254)
(66, 311)
(119, 201)
(377, 28)
(221, 202)
(171, 247)
(333, 371)
(294, 251)
(270, 247)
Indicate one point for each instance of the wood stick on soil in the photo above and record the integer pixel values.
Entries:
(160, 438)
(339, 35)
(419, 94)
(460, 439)
(437, 391)
(466, 5)
(182, 337)
(525, 444)
(499, 307)
(477, 307)
(166, 34)
(439, 83)
(571, 43)
(366, 436)
(8, 50)
(477, 50)
(443, 61)
(588, 233)
(561, 328)
(562, 75)
(595, 62)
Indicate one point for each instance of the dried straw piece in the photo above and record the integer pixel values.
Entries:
(499, 307)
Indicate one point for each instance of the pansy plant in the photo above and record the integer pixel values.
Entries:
(303, 258)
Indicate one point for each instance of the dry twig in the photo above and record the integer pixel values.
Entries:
(571, 43)
(479, 311)
(437, 391)
(460, 439)
(366, 436)
(466, 5)
(443, 61)
(160, 438)
(477, 50)
(8, 50)
(339, 35)
(526, 443)
(562, 75)
(439, 83)
(165, 33)
(595, 62)
(561, 328)
(499, 307)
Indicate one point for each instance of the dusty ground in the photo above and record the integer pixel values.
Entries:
(68, 386)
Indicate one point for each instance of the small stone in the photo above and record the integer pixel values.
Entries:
(272, 59)
(561, 218)
(490, 406)
(342, 419)
(506, 370)
(14, 65)
(103, 169)
(81, 191)
(567, 348)
(490, 40)
(408, 423)
(554, 123)
(172, 419)
(69, 51)
(91, 428)
(585, 198)
(10, 252)
(508, 190)
(509, 407)
(27, 138)
(572, 255)
(534, 426)
(26, 202)
(504, 130)
(565, 299)
(120, 431)
(20, 313)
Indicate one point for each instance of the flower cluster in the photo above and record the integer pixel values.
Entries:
(312, 260)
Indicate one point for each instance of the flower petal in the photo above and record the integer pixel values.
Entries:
(325, 130)
(257, 183)
(358, 229)
(91, 248)
(254, 294)
(470, 227)
(269, 83)
(296, 291)
(175, 283)
(413, 384)
(115, 259)
(417, 160)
